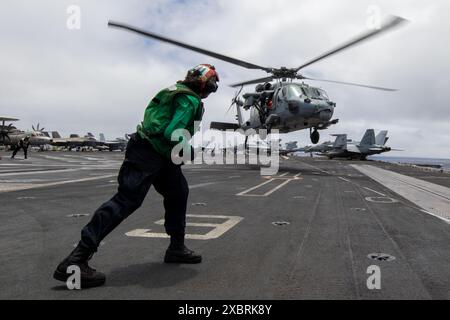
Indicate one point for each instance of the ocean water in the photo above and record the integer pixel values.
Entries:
(444, 163)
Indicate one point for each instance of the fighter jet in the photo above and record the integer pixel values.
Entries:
(117, 144)
(291, 147)
(369, 145)
(328, 145)
(75, 141)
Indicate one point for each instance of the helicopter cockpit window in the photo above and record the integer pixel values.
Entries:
(322, 94)
(294, 92)
(315, 93)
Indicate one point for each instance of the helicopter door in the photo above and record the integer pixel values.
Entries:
(281, 99)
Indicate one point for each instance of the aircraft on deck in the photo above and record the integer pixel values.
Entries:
(10, 135)
(75, 141)
(344, 148)
(117, 144)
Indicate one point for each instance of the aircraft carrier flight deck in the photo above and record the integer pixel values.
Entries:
(318, 229)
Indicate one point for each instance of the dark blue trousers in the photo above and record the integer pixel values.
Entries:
(142, 168)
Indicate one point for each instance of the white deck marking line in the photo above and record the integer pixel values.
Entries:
(284, 177)
(428, 196)
(439, 217)
(61, 159)
(379, 193)
(14, 170)
(218, 228)
(346, 180)
(37, 172)
(446, 197)
(83, 158)
(199, 185)
(277, 187)
(285, 182)
(254, 188)
(17, 187)
(96, 166)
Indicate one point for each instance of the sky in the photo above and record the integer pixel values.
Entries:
(97, 79)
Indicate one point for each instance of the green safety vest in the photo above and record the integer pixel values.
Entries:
(161, 111)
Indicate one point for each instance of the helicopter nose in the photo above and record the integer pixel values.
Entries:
(325, 115)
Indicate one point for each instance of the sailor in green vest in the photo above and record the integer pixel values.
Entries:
(148, 162)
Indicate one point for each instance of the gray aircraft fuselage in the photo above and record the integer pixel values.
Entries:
(290, 106)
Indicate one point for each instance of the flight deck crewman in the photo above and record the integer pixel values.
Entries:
(23, 144)
(148, 162)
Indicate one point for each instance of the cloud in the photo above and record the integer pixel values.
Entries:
(99, 79)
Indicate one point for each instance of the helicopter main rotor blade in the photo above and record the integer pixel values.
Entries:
(265, 79)
(348, 83)
(235, 99)
(392, 22)
(241, 63)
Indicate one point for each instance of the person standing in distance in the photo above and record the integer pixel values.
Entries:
(24, 143)
(148, 162)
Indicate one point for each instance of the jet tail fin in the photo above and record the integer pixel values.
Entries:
(381, 138)
(55, 135)
(341, 141)
(102, 137)
(368, 138)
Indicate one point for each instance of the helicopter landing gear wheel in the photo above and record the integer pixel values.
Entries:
(315, 136)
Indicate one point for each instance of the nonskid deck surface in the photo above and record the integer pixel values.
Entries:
(319, 229)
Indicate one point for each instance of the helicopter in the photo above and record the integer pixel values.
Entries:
(284, 105)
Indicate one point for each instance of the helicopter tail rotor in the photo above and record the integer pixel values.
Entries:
(235, 100)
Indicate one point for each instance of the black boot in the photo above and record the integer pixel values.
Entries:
(179, 253)
(89, 277)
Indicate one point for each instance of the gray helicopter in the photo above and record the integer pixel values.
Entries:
(284, 105)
